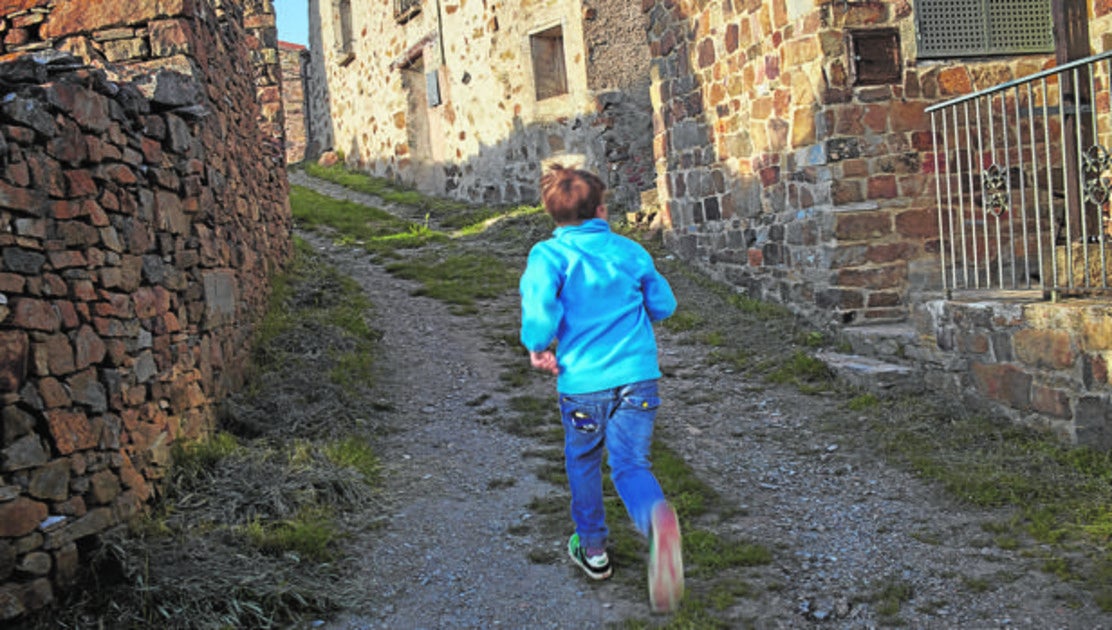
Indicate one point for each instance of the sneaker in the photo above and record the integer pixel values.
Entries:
(597, 567)
(665, 560)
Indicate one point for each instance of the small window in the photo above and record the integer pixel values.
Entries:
(875, 56)
(966, 28)
(432, 88)
(550, 75)
(404, 10)
(341, 28)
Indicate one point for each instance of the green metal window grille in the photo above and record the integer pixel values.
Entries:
(970, 28)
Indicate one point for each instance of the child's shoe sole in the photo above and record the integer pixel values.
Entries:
(665, 560)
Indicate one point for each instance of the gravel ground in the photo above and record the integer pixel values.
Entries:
(841, 523)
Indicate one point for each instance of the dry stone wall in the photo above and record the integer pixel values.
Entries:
(143, 204)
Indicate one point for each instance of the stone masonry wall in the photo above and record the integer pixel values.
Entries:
(294, 59)
(143, 203)
(1041, 364)
(785, 176)
(487, 136)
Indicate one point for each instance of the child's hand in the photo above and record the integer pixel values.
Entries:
(544, 361)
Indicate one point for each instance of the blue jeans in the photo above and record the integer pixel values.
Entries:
(619, 420)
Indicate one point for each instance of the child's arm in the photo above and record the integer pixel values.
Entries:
(541, 310)
(660, 302)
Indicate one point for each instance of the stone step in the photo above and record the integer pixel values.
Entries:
(890, 342)
(873, 375)
(877, 360)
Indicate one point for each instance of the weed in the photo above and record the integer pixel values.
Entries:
(863, 402)
(309, 534)
(889, 595)
(801, 368)
(356, 453)
(191, 458)
(683, 320)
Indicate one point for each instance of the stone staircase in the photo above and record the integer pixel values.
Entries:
(878, 359)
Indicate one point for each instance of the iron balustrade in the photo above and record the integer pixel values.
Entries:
(1024, 180)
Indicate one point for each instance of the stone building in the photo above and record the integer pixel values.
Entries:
(800, 159)
(467, 99)
(294, 59)
(144, 206)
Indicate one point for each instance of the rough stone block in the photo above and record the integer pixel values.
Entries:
(1044, 348)
(71, 430)
(15, 351)
(1003, 382)
(20, 517)
(23, 453)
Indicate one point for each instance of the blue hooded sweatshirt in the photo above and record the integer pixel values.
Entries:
(597, 294)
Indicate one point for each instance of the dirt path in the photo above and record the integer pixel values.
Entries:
(842, 525)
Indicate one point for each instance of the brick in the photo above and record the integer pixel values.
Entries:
(884, 277)
(882, 187)
(859, 226)
(917, 223)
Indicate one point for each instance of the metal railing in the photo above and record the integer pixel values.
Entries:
(1024, 180)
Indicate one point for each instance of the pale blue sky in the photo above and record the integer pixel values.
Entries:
(293, 21)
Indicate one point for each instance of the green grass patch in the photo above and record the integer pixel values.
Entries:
(191, 458)
(863, 402)
(1057, 495)
(803, 370)
(708, 552)
(683, 320)
(460, 279)
(310, 534)
(375, 230)
(355, 453)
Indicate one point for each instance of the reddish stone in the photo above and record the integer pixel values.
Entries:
(19, 199)
(1003, 382)
(20, 517)
(80, 183)
(917, 223)
(1050, 401)
(90, 348)
(35, 315)
(66, 258)
(7, 7)
(69, 18)
(886, 277)
(882, 187)
(891, 252)
(909, 116)
(54, 395)
(1044, 348)
(118, 173)
(72, 431)
(12, 283)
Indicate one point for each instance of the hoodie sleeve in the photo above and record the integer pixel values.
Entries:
(660, 302)
(541, 310)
